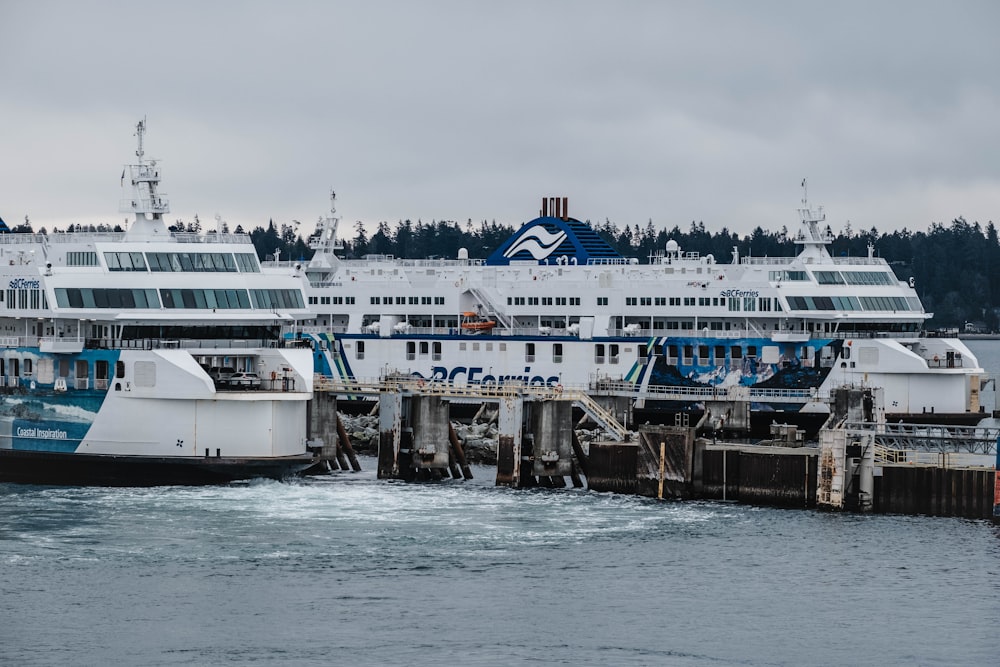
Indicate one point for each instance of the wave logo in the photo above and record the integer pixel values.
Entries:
(538, 241)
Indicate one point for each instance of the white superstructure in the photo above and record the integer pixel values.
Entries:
(568, 310)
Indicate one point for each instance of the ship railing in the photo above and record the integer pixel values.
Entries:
(24, 341)
(81, 383)
(90, 237)
(851, 335)
(693, 333)
(22, 239)
(210, 237)
(315, 329)
(858, 261)
(938, 361)
(886, 456)
(671, 392)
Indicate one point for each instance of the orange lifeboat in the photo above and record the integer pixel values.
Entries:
(476, 323)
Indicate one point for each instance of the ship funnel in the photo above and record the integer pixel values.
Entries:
(557, 207)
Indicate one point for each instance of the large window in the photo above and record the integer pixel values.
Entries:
(268, 299)
(824, 303)
(85, 297)
(125, 261)
(204, 262)
(230, 299)
(869, 278)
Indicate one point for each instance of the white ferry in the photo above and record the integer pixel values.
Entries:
(556, 305)
(107, 341)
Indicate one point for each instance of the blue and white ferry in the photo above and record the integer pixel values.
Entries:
(107, 341)
(555, 305)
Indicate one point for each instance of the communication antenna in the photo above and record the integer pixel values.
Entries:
(140, 130)
(805, 193)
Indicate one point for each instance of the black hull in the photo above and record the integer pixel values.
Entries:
(27, 467)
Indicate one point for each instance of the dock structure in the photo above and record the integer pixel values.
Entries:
(535, 443)
(327, 437)
(861, 463)
(536, 440)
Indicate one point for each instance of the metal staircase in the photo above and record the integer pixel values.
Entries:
(489, 307)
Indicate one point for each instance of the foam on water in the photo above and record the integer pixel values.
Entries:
(349, 569)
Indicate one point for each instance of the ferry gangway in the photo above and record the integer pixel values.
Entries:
(596, 388)
(929, 437)
(407, 384)
(675, 393)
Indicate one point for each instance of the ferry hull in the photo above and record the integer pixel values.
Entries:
(53, 468)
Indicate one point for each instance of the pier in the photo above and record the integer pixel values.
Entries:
(861, 463)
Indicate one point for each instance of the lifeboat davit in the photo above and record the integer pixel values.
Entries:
(475, 322)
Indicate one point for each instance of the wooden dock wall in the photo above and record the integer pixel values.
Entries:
(779, 478)
(776, 476)
(965, 492)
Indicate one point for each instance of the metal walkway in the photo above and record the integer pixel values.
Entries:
(480, 392)
(930, 438)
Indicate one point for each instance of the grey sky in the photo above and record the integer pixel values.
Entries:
(670, 111)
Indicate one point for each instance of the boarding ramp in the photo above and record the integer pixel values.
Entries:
(474, 392)
(931, 438)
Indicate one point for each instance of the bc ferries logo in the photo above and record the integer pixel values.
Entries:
(538, 241)
(24, 283)
(736, 293)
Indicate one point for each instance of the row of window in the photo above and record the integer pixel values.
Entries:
(854, 303)
(227, 299)
(611, 352)
(25, 298)
(736, 304)
(81, 258)
(200, 262)
(402, 300)
(276, 298)
(543, 301)
(785, 275)
(837, 277)
(851, 277)
(336, 300)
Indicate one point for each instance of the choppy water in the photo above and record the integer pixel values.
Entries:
(350, 570)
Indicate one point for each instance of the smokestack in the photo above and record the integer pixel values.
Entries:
(557, 207)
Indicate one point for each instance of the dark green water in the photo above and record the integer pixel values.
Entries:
(349, 570)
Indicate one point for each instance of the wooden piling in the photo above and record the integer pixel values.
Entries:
(459, 451)
(581, 456)
(345, 443)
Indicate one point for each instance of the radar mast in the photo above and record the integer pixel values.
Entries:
(145, 203)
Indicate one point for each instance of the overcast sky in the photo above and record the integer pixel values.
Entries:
(635, 111)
